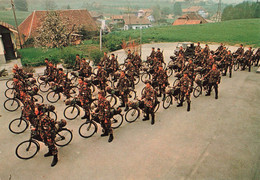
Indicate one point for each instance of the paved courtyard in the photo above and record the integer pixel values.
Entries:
(217, 139)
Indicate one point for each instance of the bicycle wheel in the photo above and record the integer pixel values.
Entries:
(94, 104)
(131, 95)
(92, 87)
(111, 99)
(39, 80)
(53, 97)
(197, 91)
(87, 129)
(142, 92)
(71, 112)
(132, 115)
(11, 105)
(10, 93)
(52, 115)
(44, 87)
(116, 121)
(136, 80)
(176, 82)
(27, 149)
(38, 98)
(145, 77)
(18, 125)
(63, 137)
(169, 72)
(167, 102)
(9, 84)
(109, 83)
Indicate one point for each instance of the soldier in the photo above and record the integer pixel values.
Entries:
(180, 62)
(137, 62)
(228, 64)
(130, 56)
(122, 86)
(257, 56)
(153, 53)
(105, 60)
(101, 77)
(88, 70)
(248, 57)
(77, 62)
(114, 63)
(83, 66)
(220, 48)
(186, 88)
(130, 71)
(149, 98)
(46, 60)
(198, 48)
(159, 55)
(214, 80)
(190, 68)
(162, 79)
(85, 97)
(103, 110)
(47, 131)
(240, 51)
(206, 50)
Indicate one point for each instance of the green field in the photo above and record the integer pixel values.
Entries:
(8, 17)
(229, 32)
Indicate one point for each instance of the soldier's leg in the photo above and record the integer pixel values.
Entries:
(146, 116)
(230, 71)
(105, 130)
(216, 91)
(182, 99)
(126, 102)
(249, 66)
(110, 131)
(209, 89)
(153, 116)
(225, 70)
(188, 101)
(123, 101)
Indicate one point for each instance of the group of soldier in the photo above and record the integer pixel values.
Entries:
(109, 68)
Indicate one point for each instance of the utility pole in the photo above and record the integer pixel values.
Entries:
(218, 17)
(140, 41)
(100, 40)
(12, 3)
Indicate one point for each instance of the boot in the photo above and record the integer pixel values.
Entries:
(55, 160)
(179, 105)
(160, 94)
(104, 134)
(216, 96)
(85, 116)
(146, 117)
(122, 105)
(152, 122)
(188, 108)
(126, 109)
(163, 97)
(48, 154)
(111, 137)
(208, 94)
(230, 75)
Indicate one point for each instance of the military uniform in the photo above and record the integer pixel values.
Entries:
(85, 97)
(162, 79)
(101, 77)
(130, 72)
(228, 64)
(185, 90)
(122, 86)
(214, 80)
(248, 54)
(105, 61)
(159, 56)
(149, 97)
(152, 55)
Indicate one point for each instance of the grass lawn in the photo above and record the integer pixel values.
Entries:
(229, 32)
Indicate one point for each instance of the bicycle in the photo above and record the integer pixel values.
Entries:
(29, 148)
(114, 95)
(89, 128)
(172, 93)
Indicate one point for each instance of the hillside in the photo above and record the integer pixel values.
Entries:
(229, 32)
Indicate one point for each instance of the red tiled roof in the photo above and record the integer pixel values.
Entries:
(191, 18)
(192, 9)
(133, 20)
(28, 28)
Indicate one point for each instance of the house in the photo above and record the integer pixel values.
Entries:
(78, 18)
(133, 22)
(191, 18)
(8, 37)
(196, 9)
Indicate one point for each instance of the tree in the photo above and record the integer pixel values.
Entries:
(157, 12)
(53, 32)
(21, 5)
(50, 5)
(177, 10)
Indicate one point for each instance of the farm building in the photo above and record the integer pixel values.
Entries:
(8, 35)
(191, 18)
(78, 18)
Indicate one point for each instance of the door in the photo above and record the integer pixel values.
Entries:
(8, 46)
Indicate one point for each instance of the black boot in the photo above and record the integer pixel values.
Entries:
(208, 94)
(160, 94)
(85, 116)
(230, 75)
(146, 117)
(104, 134)
(48, 154)
(179, 105)
(163, 97)
(126, 108)
(122, 105)
(188, 108)
(55, 160)
(111, 137)
(152, 122)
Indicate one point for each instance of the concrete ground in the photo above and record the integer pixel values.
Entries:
(217, 139)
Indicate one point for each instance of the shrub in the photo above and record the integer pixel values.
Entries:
(96, 55)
